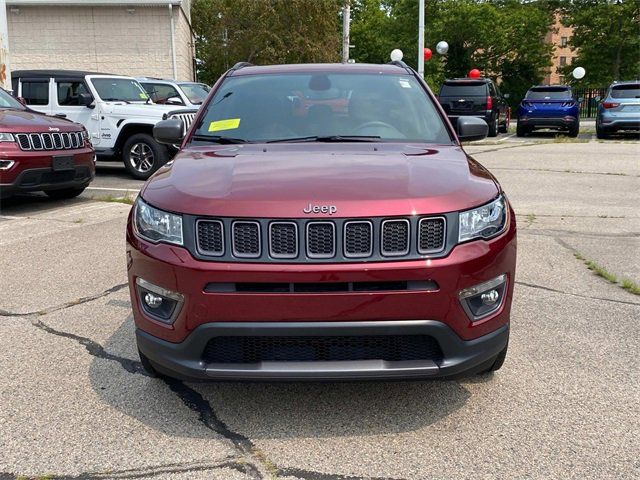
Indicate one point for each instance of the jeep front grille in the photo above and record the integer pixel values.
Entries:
(317, 241)
(50, 141)
(187, 119)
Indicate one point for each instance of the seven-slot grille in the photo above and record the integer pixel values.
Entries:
(331, 240)
(50, 141)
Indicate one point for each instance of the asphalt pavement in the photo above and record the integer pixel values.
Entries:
(75, 403)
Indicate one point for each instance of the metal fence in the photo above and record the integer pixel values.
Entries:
(588, 99)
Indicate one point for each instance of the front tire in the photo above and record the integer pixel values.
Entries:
(498, 362)
(142, 156)
(64, 193)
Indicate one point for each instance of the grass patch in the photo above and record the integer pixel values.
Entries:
(530, 219)
(110, 198)
(631, 286)
(628, 285)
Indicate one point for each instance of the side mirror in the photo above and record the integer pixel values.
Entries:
(506, 95)
(174, 101)
(169, 132)
(472, 128)
(85, 99)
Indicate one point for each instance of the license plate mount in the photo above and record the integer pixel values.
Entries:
(62, 163)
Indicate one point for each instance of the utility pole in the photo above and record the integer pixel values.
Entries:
(346, 20)
(421, 39)
(5, 66)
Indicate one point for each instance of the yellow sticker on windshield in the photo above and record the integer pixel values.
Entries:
(228, 124)
(143, 96)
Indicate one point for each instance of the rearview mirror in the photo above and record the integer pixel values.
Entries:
(174, 101)
(169, 132)
(472, 128)
(85, 99)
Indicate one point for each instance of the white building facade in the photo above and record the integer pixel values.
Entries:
(127, 37)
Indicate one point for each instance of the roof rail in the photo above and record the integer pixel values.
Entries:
(240, 65)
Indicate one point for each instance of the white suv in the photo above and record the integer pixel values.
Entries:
(169, 92)
(116, 111)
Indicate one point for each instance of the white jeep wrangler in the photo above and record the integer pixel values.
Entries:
(116, 111)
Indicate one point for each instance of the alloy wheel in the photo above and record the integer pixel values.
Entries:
(141, 157)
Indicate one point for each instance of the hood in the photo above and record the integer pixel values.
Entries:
(28, 121)
(139, 109)
(360, 180)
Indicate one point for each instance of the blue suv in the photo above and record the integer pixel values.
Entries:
(619, 109)
(548, 106)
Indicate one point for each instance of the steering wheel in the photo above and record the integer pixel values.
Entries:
(374, 124)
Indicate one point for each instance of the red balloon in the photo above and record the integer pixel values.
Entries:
(427, 53)
(475, 73)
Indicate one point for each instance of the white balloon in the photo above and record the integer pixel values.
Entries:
(396, 55)
(442, 47)
(579, 73)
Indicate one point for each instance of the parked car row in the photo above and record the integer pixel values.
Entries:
(543, 107)
(58, 122)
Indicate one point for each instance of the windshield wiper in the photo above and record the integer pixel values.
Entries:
(219, 139)
(329, 139)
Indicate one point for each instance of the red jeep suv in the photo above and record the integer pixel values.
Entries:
(346, 236)
(42, 153)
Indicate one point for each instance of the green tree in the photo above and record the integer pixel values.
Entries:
(264, 32)
(606, 37)
(504, 39)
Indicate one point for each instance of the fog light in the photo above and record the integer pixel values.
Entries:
(153, 300)
(157, 302)
(483, 299)
(489, 298)
(6, 164)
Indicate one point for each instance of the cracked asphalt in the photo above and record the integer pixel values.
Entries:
(76, 404)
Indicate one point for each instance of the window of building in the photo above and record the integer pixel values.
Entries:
(563, 41)
(36, 92)
(69, 93)
(563, 61)
(561, 78)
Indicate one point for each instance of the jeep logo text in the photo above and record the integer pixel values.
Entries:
(330, 209)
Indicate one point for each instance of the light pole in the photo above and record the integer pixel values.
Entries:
(421, 39)
(346, 19)
(5, 66)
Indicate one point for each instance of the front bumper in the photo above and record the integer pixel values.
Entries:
(184, 360)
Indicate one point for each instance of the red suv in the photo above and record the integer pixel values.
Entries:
(358, 242)
(42, 153)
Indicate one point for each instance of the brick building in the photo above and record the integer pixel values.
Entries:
(559, 36)
(127, 37)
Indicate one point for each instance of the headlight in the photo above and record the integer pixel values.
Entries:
(85, 135)
(157, 225)
(6, 137)
(483, 222)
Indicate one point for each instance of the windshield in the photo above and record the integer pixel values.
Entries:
(7, 101)
(626, 91)
(557, 93)
(464, 89)
(119, 89)
(195, 92)
(281, 107)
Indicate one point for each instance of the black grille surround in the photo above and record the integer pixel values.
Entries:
(284, 240)
(256, 349)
